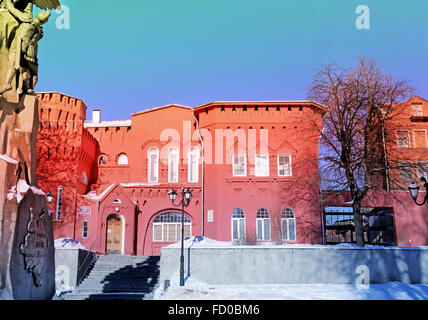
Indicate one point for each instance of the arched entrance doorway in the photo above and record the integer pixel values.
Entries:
(114, 236)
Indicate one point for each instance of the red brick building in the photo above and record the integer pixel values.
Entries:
(66, 154)
(251, 167)
(246, 163)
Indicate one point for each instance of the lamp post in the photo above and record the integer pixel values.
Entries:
(186, 197)
(414, 190)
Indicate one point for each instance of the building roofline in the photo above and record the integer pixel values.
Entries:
(416, 96)
(60, 93)
(261, 102)
(173, 105)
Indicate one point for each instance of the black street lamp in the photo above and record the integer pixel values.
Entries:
(414, 190)
(186, 197)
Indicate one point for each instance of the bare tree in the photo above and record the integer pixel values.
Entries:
(360, 100)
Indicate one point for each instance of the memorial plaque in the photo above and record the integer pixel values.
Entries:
(35, 246)
(32, 264)
(83, 212)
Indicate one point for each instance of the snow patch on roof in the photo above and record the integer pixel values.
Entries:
(8, 159)
(139, 184)
(102, 124)
(92, 195)
(68, 243)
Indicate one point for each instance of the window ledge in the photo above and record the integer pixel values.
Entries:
(419, 118)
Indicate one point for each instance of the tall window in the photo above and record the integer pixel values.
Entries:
(238, 224)
(402, 139)
(262, 165)
(284, 165)
(167, 227)
(122, 159)
(59, 203)
(173, 165)
(85, 229)
(263, 224)
(420, 138)
(417, 110)
(153, 167)
(240, 165)
(406, 171)
(288, 224)
(193, 165)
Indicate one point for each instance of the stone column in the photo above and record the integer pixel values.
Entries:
(18, 136)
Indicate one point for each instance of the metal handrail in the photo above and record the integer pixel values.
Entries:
(90, 250)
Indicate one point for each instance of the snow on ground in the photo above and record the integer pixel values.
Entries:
(204, 242)
(196, 290)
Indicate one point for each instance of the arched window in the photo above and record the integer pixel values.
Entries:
(173, 165)
(193, 165)
(122, 159)
(263, 224)
(238, 224)
(167, 227)
(288, 224)
(102, 160)
(153, 165)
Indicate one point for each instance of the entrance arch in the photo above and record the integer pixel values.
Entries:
(115, 233)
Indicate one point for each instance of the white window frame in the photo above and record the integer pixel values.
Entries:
(150, 152)
(58, 215)
(414, 137)
(239, 165)
(261, 163)
(173, 167)
(290, 173)
(240, 223)
(263, 220)
(165, 230)
(122, 159)
(398, 139)
(288, 223)
(193, 165)
(417, 112)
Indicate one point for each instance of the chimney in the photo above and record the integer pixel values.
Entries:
(96, 116)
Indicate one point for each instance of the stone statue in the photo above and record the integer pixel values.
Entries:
(27, 265)
(19, 37)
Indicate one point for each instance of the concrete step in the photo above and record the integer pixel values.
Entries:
(119, 277)
(118, 283)
(139, 276)
(140, 289)
(111, 296)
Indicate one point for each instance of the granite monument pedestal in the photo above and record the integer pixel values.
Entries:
(27, 266)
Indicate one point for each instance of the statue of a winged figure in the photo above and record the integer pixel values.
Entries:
(19, 37)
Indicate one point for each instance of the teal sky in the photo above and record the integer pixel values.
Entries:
(127, 56)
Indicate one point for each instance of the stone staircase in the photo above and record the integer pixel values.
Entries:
(119, 277)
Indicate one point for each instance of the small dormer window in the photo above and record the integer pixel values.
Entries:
(122, 159)
(117, 201)
(417, 110)
(102, 160)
